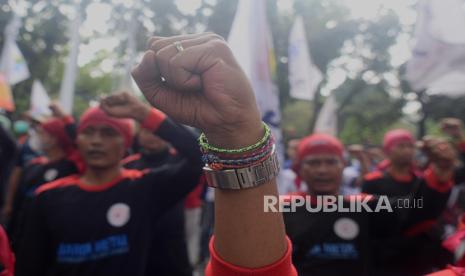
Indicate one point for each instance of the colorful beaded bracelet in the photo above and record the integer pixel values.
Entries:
(221, 166)
(211, 158)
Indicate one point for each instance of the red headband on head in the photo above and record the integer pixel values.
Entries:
(396, 136)
(95, 115)
(318, 144)
(56, 128)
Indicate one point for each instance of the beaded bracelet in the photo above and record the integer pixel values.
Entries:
(260, 150)
(207, 147)
(211, 158)
(238, 160)
(221, 166)
(266, 146)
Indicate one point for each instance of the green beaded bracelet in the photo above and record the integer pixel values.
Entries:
(207, 147)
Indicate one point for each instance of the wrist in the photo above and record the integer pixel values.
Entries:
(153, 119)
(141, 113)
(68, 119)
(236, 137)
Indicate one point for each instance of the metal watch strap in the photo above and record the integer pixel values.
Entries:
(249, 177)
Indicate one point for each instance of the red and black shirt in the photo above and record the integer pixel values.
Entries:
(77, 229)
(346, 243)
(419, 234)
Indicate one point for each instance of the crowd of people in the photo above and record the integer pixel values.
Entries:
(124, 190)
(407, 241)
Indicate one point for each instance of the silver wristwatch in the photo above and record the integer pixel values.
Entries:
(249, 177)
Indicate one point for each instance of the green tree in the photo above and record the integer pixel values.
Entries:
(370, 96)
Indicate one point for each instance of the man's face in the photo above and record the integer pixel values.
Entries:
(322, 173)
(151, 142)
(402, 154)
(101, 146)
(46, 140)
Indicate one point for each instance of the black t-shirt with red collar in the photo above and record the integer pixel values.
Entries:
(36, 173)
(416, 249)
(383, 183)
(40, 171)
(347, 243)
(337, 243)
(77, 229)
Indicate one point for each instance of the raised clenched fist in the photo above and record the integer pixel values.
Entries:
(196, 81)
(453, 127)
(125, 105)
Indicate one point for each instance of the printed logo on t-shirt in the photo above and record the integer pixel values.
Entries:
(50, 175)
(329, 250)
(118, 214)
(346, 228)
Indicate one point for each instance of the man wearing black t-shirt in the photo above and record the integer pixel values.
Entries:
(59, 160)
(101, 222)
(396, 178)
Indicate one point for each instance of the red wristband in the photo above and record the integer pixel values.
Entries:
(68, 119)
(219, 267)
(153, 119)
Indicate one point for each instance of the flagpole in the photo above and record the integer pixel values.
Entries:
(421, 128)
(131, 49)
(69, 79)
(316, 109)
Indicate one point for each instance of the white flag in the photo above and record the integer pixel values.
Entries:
(452, 85)
(69, 79)
(304, 76)
(127, 81)
(251, 42)
(440, 43)
(40, 101)
(448, 21)
(12, 62)
(327, 118)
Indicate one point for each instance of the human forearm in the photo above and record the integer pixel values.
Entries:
(244, 234)
(240, 217)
